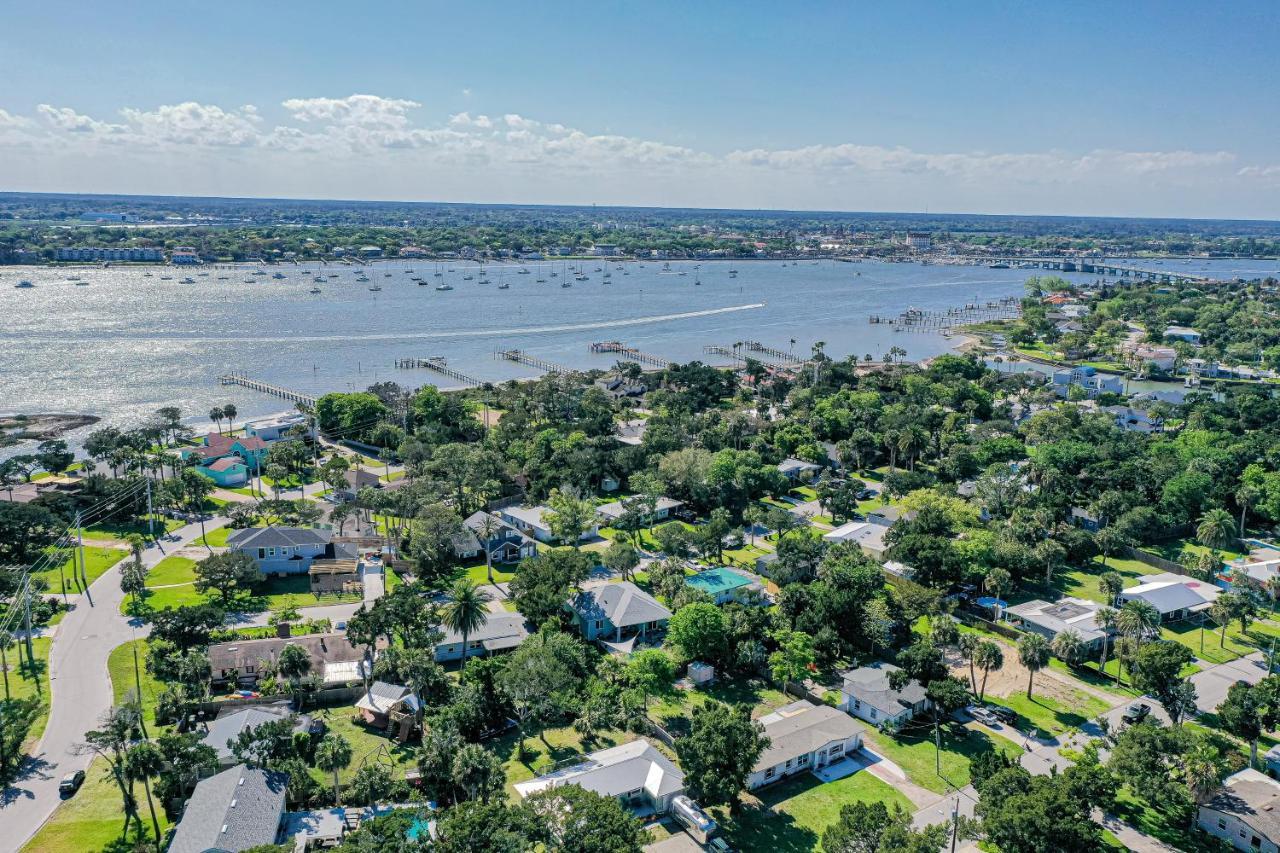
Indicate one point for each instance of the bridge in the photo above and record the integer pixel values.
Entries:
(266, 388)
(1097, 266)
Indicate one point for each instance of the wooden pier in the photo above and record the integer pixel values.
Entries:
(776, 354)
(728, 352)
(439, 364)
(522, 357)
(266, 388)
(916, 320)
(630, 353)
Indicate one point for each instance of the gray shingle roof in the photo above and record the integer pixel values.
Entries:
(802, 727)
(235, 810)
(276, 537)
(229, 727)
(615, 771)
(870, 686)
(495, 625)
(623, 604)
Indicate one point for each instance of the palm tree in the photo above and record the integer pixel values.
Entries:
(1138, 619)
(968, 644)
(911, 441)
(466, 611)
(489, 529)
(1217, 529)
(1203, 772)
(215, 415)
(1068, 648)
(334, 755)
(1106, 621)
(1272, 586)
(1033, 653)
(1111, 583)
(142, 762)
(229, 412)
(988, 656)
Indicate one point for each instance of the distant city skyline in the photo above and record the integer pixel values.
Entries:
(1148, 109)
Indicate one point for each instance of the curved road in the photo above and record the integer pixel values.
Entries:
(81, 693)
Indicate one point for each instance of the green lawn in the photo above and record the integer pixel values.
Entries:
(1052, 715)
(480, 575)
(647, 540)
(172, 570)
(124, 679)
(118, 532)
(92, 820)
(544, 750)
(97, 560)
(24, 683)
(1141, 816)
(1238, 644)
(275, 594)
(1085, 581)
(366, 743)
(1177, 548)
(215, 538)
(792, 815)
(916, 755)
(673, 709)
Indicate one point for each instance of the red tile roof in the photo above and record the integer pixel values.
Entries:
(226, 462)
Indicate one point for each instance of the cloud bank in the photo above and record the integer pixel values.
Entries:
(369, 146)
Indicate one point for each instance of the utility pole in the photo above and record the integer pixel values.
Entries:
(31, 658)
(151, 522)
(84, 577)
(955, 821)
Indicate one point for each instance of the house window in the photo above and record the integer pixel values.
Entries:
(768, 774)
(788, 764)
(1222, 823)
(271, 552)
(857, 705)
(262, 552)
(873, 713)
(599, 624)
(837, 749)
(802, 760)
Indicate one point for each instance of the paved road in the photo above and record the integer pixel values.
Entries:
(81, 693)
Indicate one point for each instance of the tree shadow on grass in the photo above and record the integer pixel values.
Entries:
(758, 827)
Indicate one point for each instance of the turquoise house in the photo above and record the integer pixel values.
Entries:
(227, 472)
(250, 450)
(721, 584)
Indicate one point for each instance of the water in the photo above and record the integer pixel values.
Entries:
(128, 344)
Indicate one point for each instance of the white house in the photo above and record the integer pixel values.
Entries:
(1182, 333)
(1245, 813)
(868, 535)
(641, 777)
(609, 513)
(500, 632)
(1174, 596)
(866, 694)
(274, 427)
(798, 469)
(531, 521)
(803, 736)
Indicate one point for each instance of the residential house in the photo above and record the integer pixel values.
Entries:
(632, 431)
(229, 726)
(803, 736)
(1245, 812)
(237, 809)
(500, 632)
(609, 513)
(619, 387)
(288, 550)
(1182, 333)
(1161, 357)
(1130, 419)
(1174, 596)
(797, 470)
(868, 535)
(764, 563)
(227, 472)
(276, 427)
(642, 778)
(617, 614)
(355, 479)
(724, 585)
(250, 450)
(240, 663)
(506, 544)
(1088, 379)
(531, 521)
(1085, 519)
(867, 694)
(1067, 614)
(382, 702)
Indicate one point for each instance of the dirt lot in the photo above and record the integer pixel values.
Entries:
(1011, 678)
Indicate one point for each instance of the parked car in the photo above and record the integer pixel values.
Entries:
(983, 715)
(1008, 716)
(867, 494)
(71, 783)
(1136, 713)
(719, 845)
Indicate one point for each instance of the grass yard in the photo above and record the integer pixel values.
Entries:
(93, 819)
(1085, 581)
(1177, 548)
(215, 538)
(124, 680)
(542, 751)
(24, 683)
(480, 575)
(1142, 817)
(1214, 650)
(96, 562)
(792, 815)
(118, 532)
(275, 594)
(647, 540)
(1054, 715)
(916, 755)
(366, 743)
(674, 709)
(172, 570)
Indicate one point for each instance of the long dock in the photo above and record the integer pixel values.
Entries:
(631, 353)
(772, 352)
(916, 320)
(522, 357)
(266, 388)
(730, 353)
(440, 365)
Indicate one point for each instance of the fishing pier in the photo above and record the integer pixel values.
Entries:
(916, 320)
(728, 352)
(266, 388)
(771, 352)
(629, 353)
(438, 364)
(522, 357)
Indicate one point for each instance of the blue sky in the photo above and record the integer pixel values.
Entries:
(1133, 108)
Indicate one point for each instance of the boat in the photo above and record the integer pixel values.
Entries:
(485, 281)
(998, 267)
(438, 274)
(555, 275)
(319, 279)
(224, 278)
(569, 283)
(733, 272)
(682, 273)
(376, 287)
(24, 284)
(188, 280)
(608, 275)
(166, 278)
(444, 287)
(146, 275)
(81, 283)
(697, 282)
(386, 275)
(466, 278)
(422, 282)
(314, 290)
(542, 280)
(522, 271)
(504, 286)
(279, 276)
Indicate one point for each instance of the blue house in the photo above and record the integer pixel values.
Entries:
(227, 472)
(250, 450)
(287, 550)
(506, 544)
(617, 614)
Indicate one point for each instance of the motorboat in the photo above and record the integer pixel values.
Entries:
(188, 280)
(444, 287)
(314, 290)
(279, 276)
(24, 284)
(376, 288)
(504, 286)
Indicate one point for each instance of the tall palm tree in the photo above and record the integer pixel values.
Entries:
(1106, 621)
(968, 644)
(1217, 529)
(229, 412)
(215, 415)
(332, 756)
(1033, 653)
(1203, 772)
(1138, 619)
(489, 529)
(142, 762)
(988, 656)
(466, 611)
(1068, 648)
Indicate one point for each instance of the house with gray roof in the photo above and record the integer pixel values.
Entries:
(1174, 596)
(642, 778)
(803, 736)
(500, 632)
(1065, 614)
(531, 521)
(504, 541)
(287, 550)
(867, 694)
(798, 469)
(237, 809)
(242, 662)
(228, 727)
(1245, 813)
(618, 614)
(611, 512)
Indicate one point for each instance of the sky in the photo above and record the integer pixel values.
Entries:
(1083, 108)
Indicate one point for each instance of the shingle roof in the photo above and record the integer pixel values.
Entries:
(235, 810)
(226, 462)
(229, 727)
(870, 686)
(275, 537)
(614, 771)
(1254, 799)
(802, 727)
(623, 604)
(495, 625)
(382, 697)
(321, 648)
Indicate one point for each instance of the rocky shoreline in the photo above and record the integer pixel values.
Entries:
(40, 427)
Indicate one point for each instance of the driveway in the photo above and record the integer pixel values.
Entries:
(1213, 682)
(80, 692)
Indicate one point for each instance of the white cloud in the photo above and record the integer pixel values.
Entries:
(360, 110)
